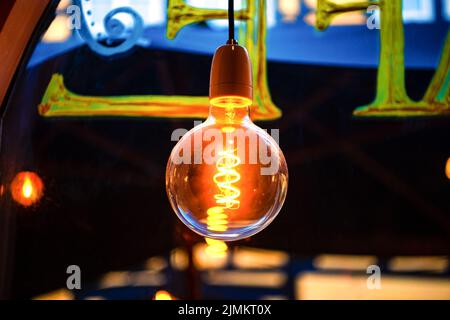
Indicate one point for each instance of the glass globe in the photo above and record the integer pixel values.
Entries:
(227, 178)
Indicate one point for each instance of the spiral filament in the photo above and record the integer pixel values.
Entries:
(226, 199)
(225, 178)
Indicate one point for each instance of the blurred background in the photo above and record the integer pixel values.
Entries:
(90, 191)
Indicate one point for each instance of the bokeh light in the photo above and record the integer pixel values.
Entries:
(163, 295)
(447, 168)
(216, 248)
(27, 188)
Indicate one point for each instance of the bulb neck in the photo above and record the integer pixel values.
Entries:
(228, 115)
(231, 73)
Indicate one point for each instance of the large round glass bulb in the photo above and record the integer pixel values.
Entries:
(227, 178)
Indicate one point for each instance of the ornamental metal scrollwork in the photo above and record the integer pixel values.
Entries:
(115, 30)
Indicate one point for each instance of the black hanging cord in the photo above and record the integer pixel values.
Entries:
(231, 20)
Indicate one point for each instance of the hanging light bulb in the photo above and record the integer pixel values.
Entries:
(227, 178)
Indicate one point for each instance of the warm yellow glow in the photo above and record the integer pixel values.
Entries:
(179, 259)
(63, 5)
(266, 279)
(319, 286)
(214, 198)
(115, 279)
(343, 262)
(156, 264)
(216, 248)
(226, 199)
(289, 9)
(414, 264)
(224, 179)
(230, 102)
(58, 31)
(163, 295)
(228, 129)
(61, 294)
(27, 188)
(253, 258)
(447, 168)
(204, 259)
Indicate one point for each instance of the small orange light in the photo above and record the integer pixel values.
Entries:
(447, 168)
(27, 188)
(163, 295)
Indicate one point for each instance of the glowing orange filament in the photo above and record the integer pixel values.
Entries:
(226, 176)
(217, 219)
